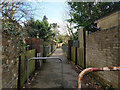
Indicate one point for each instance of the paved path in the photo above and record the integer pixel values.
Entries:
(50, 74)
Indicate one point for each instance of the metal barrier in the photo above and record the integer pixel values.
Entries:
(43, 58)
(95, 69)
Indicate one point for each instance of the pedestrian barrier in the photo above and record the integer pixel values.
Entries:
(43, 58)
(94, 69)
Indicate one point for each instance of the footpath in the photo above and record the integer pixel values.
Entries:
(50, 74)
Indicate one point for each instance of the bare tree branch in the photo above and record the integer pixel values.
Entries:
(70, 30)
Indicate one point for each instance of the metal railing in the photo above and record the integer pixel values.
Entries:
(94, 69)
(43, 58)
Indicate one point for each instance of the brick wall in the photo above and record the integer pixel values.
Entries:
(109, 21)
(103, 49)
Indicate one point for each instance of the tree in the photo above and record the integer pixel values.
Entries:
(45, 18)
(55, 27)
(12, 13)
(39, 29)
(70, 29)
(15, 11)
(85, 13)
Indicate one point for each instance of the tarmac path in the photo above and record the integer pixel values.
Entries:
(50, 74)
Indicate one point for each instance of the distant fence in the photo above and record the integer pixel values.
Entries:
(38, 45)
(49, 49)
(53, 47)
(22, 77)
(35, 48)
(76, 49)
(65, 49)
(13, 64)
(73, 54)
(99, 49)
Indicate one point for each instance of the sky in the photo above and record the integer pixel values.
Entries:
(56, 12)
(53, 10)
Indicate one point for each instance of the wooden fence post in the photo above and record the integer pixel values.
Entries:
(75, 55)
(70, 44)
(84, 38)
(19, 70)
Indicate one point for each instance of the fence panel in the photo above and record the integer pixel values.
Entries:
(65, 50)
(73, 54)
(54, 47)
(80, 56)
(23, 67)
(47, 50)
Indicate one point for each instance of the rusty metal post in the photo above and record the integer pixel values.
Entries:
(95, 69)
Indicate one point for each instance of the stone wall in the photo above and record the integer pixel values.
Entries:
(10, 58)
(0, 54)
(103, 49)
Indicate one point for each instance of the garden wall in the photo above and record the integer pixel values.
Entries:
(14, 62)
(100, 49)
(0, 55)
(10, 58)
(103, 49)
